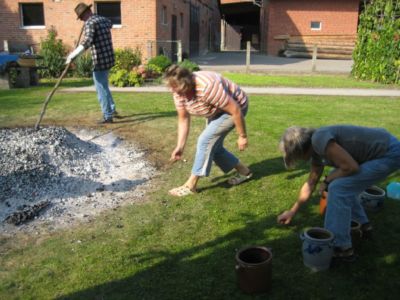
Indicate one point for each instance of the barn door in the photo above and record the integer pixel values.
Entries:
(194, 30)
(174, 37)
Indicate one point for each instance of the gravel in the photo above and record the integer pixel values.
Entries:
(59, 177)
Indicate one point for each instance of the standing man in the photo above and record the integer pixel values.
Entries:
(97, 36)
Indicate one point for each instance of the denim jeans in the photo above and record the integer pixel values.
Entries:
(103, 93)
(210, 146)
(343, 203)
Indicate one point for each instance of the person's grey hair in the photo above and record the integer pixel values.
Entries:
(294, 143)
(180, 79)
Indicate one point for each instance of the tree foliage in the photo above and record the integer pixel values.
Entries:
(377, 53)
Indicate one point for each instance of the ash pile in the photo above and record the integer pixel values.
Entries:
(55, 177)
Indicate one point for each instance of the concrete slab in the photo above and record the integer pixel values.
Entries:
(236, 62)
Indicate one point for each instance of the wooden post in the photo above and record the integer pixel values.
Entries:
(223, 32)
(179, 54)
(248, 56)
(149, 50)
(5, 46)
(314, 59)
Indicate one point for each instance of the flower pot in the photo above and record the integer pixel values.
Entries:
(372, 198)
(254, 269)
(317, 248)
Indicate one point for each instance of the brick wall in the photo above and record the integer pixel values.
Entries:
(209, 17)
(293, 17)
(141, 22)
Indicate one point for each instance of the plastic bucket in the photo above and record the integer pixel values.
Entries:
(372, 198)
(254, 269)
(393, 190)
(323, 202)
(317, 248)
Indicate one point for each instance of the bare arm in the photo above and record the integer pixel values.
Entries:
(304, 194)
(234, 110)
(344, 162)
(183, 132)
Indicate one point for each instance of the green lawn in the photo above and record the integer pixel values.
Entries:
(168, 248)
(317, 81)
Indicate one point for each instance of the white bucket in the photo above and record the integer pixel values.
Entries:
(317, 248)
(372, 198)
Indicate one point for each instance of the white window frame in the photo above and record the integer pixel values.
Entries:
(114, 25)
(164, 17)
(21, 15)
(317, 29)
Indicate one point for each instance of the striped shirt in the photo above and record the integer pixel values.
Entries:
(97, 35)
(212, 93)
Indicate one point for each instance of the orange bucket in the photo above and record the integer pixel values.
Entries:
(323, 202)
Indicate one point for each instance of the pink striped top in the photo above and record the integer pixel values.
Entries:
(212, 93)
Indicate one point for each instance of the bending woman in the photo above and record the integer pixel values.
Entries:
(224, 105)
(360, 156)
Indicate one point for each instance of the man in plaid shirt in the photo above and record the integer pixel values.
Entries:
(97, 36)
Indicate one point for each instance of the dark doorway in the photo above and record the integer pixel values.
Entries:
(174, 37)
(194, 30)
(242, 24)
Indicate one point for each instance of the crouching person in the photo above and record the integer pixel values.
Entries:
(360, 156)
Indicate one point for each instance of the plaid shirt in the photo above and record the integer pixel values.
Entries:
(97, 36)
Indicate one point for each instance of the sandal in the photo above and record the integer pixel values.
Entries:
(181, 191)
(239, 178)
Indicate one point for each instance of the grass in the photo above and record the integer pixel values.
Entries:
(168, 248)
(316, 81)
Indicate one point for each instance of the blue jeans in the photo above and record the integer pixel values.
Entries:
(210, 146)
(343, 203)
(103, 93)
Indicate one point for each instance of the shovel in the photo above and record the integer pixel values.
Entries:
(46, 102)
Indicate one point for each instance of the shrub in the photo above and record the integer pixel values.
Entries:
(159, 63)
(192, 66)
(122, 78)
(377, 53)
(126, 59)
(53, 52)
(84, 65)
(134, 79)
(118, 78)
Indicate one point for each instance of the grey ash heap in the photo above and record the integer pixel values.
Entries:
(56, 177)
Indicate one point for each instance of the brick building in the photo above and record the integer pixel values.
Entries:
(266, 22)
(146, 24)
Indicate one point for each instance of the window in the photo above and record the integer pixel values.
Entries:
(111, 10)
(316, 25)
(181, 20)
(164, 15)
(32, 15)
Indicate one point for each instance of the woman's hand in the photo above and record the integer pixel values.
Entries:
(242, 143)
(286, 217)
(176, 154)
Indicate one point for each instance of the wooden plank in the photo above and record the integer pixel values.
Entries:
(289, 53)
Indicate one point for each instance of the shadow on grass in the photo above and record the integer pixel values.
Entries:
(264, 168)
(127, 120)
(206, 271)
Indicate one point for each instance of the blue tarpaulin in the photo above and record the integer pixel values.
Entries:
(6, 58)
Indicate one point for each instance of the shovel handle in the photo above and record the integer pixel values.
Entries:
(50, 95)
